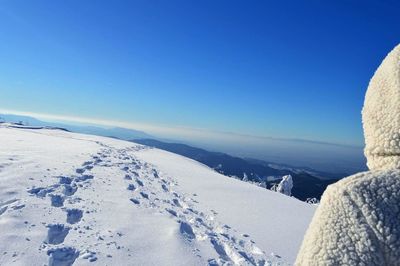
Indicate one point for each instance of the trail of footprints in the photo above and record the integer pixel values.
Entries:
(57, 194)
(149, 189)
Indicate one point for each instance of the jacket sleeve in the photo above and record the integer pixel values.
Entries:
(339, 234)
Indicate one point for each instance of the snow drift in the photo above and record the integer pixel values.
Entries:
(78, 199)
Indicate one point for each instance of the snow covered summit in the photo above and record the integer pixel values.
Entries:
(77, 199)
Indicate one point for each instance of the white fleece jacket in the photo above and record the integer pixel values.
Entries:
(358, 220)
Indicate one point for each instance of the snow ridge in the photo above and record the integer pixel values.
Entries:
(72, 199)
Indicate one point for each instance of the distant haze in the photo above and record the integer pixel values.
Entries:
(326, 157)
(323, 157)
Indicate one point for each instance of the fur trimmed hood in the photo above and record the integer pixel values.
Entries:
(381, 115)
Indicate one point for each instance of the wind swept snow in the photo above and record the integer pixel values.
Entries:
(286, 185)
(73, 199)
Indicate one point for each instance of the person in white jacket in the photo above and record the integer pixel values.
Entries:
(358, 219)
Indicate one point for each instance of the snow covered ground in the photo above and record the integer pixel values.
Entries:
(78, 199)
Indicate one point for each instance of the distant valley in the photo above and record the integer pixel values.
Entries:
(307, 182)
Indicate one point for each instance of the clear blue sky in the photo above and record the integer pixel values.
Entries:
(290, 69)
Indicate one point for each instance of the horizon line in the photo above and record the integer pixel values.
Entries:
(162, 129)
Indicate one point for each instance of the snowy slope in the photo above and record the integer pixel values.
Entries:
(71, 198)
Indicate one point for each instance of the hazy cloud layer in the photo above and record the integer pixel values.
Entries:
(320, 155)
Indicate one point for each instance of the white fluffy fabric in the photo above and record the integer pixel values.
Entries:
(381, 115)
(358, 220)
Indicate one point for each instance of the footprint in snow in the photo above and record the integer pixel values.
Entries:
(64, 256)
(69, 190)
(74, 216)
(41, 192)
(80, 170)
(144, 195)
(56, 233)
(56, 200)
(131, 187)
(84, 178)
(172, 212)
(65, 180)
(137, 202)
(164, 187)
(187, 230)
(155, 173)
(177, 203)
(89, 167)
(88, 162)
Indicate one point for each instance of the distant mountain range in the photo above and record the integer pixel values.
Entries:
(305, 184)
(308, 183)
(116, 132)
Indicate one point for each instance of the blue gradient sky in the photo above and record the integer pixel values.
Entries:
(286, 69)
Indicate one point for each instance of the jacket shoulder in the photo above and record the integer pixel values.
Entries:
(371, 185)
(356, 223)
(376, 194)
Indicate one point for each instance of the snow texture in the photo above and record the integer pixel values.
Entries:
(286, 185)
(357, 221)
(73, 199)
